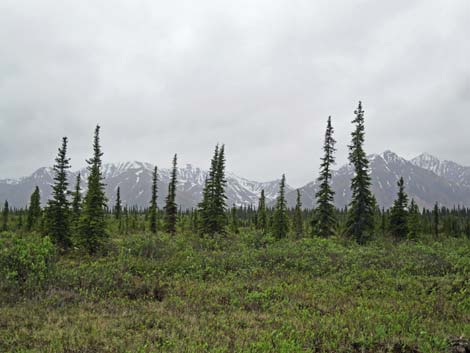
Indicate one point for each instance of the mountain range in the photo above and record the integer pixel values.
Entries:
(427, 180)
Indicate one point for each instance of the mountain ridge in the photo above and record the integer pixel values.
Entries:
(427, 180)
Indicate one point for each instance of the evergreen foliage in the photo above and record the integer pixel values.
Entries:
(436, 220)
(58, 208)
(399, 213)
(325, 212)
(77, 202)
(34, 210)
(280, 224)
(212, 208)
(360, 223)
(261, 215)
(5, 216)
(298, 219)
(153, 202)
(413, 220)
(171, 209)
(234, 224)
(118, 205)
(92, 228)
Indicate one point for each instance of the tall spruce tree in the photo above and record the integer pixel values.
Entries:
(280, 223)
(153, 202)
(34, 210)
(5, 216)
(325, 212)
(171, 209)
(58, 208)
(219, 201)
(298, 221)
(206, 205)
(92, 228)
(261, 214)
(360, 222)
(118, 205)
(399, 213)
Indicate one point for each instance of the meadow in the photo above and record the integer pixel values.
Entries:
(243, 292)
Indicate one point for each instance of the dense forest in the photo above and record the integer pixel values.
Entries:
(232, 278)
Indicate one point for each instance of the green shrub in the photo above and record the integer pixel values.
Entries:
(25, 261)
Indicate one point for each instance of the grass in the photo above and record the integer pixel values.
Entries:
(245, 293)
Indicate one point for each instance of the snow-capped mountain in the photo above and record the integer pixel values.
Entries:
(447, 186)
(134, 179)
(427, 180)
(447, 169)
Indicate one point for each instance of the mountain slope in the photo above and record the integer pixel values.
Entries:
(427, 180)
(134, 179)
(424, 185)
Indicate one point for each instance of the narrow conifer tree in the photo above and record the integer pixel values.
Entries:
(58, 208)
(153, 203)
(206, 205)
(436, 220)
(77, 198)
(360, 222)
(171, 209)
(325, 211)
(34, 210)
(280, 223)
(92, 228)
(399, 213)
(219, 201)
(262, 217)
(298, 221)
(76, 206)
(118, 205)
(5, 216)
(413, 220)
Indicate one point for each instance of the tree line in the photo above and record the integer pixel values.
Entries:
(73, 218)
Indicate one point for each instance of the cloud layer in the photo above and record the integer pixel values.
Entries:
(260, 76)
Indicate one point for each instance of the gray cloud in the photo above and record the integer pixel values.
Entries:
(260, 76)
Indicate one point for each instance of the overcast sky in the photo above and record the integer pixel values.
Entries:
(261, 76)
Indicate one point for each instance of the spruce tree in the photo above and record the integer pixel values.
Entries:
(5, 216)
(413, 220)
(280, 223)
(34, 210)
(206, 205)
(262, 217)
(77, 202)
(118, 205)
(219, 201)
(171, 209)
(360, 222)
(325, 221)
(212, 208)
(153, 203)
(58, 208)
(298, 221)
(399, 213)
(92, 228)
(436, 220)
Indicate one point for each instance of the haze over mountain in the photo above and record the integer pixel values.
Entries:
(427, 179)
